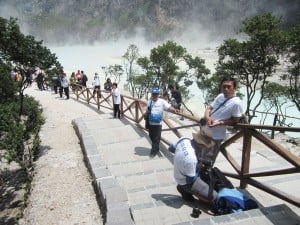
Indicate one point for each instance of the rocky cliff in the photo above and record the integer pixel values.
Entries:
(82, 21)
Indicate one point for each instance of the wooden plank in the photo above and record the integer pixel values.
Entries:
(272, 172)
(274, 191)
(287, 155)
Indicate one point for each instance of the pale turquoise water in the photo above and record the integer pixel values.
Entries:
(91, 58)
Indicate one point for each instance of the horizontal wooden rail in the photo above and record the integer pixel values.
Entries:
(133, 109)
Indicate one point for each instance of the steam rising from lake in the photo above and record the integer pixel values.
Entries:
(92, 58)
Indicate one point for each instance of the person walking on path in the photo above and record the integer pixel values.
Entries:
(65, 85)
(117, 100)
(156, 106)
(226, 109)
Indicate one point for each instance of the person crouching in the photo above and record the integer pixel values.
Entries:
(187, 166)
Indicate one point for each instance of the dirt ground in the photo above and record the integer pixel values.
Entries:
(62, 191)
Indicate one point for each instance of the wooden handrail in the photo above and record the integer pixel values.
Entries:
(133, 109)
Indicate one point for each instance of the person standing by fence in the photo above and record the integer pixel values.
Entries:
(97, 85)
(226, 109)
(117, 100)
(156, 107)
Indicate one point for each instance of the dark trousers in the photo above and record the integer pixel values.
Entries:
(66, 90)
(117, 110)
(199, 188)
(97, 90)
(155, 135)
(61, 91)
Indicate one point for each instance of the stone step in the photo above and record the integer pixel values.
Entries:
(278, 215)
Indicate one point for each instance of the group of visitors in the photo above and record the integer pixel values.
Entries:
(61, 85)
(188, 153)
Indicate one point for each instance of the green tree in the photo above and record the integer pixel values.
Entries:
(294, 71)
(23, 52)
(253, 61)
(276, 97)
(170, 63)
(114, 72)
(130, 57)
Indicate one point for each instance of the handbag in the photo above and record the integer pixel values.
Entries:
(147, 115)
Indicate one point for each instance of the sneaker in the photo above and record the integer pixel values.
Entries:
(185, 195)
(152, 155)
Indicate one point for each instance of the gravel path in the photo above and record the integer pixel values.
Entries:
(62, 191)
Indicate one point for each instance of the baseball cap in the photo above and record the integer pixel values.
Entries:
(155, 90)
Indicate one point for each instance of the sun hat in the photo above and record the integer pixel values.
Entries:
(155, 90)
(204, 137)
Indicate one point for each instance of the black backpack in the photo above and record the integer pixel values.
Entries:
(215, 178)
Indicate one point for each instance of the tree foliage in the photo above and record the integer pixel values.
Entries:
(130, 57)
(294, 71)
(170, 63)
(20, 115)
(253, 61)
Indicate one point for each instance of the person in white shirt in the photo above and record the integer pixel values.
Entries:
(97, 85)
(187, 165)
(155, 108)
(64, 85)
(226, 109)
(117, 100)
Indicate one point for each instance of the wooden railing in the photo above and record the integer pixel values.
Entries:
(133, 109)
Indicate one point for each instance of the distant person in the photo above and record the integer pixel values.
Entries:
(65, 85)
(78, 77)
(226, 109)
(108, 85)
(56, 83)
(188, 165)
(97, 85)
(156, 108)
(61, 88)
(84, 79)
(117, 100)
(73, 81)
(40, 81)
(176, 99)
(176, 96)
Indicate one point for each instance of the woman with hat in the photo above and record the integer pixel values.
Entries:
(155, 108)
(188, 154)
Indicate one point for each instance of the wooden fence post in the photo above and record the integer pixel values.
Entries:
(245, 164)
(274, 124)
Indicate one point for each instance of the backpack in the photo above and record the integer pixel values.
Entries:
(229, 199)
(215, 178)
(232, 201)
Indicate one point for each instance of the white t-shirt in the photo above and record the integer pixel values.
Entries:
(117, 96)
(232, 108)
(96, 81)
(185, 161)
(157, 109)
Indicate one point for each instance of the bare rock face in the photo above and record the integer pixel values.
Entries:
(98, 20)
